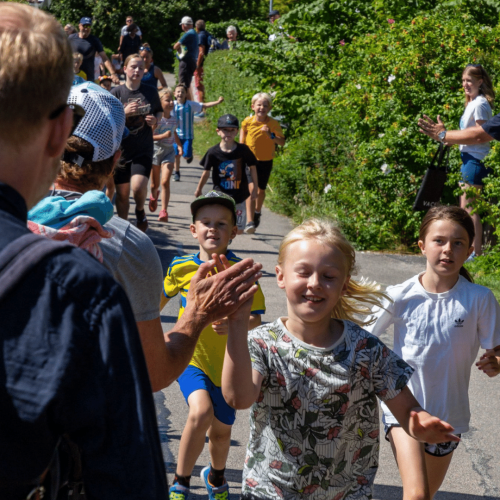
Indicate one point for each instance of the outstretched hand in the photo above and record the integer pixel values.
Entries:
(218, 289)
(489, 363)
(431, 128)
(428, 429)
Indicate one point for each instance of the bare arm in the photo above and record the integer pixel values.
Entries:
(471, 135)
(201, 56)
(165, 135)
(177, 46)
(120, 46)
(419, 424)
(212, 104)
(243, 135)
(109, 67)
(159, 75)
(203, 180)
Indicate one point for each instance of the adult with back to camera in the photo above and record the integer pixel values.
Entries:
(89, 45)
(203, 49)
(152, 73)
(187, 49)
(67, 328)
(143, 110)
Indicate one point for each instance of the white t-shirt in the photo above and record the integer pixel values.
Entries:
(439, 334)
(125, 32)
(477, 109)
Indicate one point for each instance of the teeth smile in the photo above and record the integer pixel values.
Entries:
(313, 299)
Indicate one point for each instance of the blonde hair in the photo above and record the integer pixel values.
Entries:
(164, 92)
(361, 296)
(263, 95)
(36, 60)
(78, 56)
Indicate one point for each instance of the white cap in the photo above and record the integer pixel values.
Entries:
(104, 122)
(186, 20)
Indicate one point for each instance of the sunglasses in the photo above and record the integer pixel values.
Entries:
(86, 26)
(128, 21)
(147, 49)
(78, 114)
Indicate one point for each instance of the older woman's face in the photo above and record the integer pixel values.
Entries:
(231, 35)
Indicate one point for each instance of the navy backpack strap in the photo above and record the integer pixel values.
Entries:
(21, 256)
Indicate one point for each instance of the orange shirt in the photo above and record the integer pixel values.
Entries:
(258, 141)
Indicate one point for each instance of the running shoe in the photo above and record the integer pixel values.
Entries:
(214, 493)
(249, 228)
(178, 492)
(201, 114)
(189, 160)
(177, 176)
(153, 203)
(256, 219)
(163, 217)
(142, 220)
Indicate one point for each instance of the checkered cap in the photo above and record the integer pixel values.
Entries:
(214, 198)
(104, 121)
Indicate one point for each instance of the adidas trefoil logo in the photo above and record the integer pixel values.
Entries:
(459, 323)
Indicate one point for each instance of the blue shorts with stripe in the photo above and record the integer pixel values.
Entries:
(194, 379)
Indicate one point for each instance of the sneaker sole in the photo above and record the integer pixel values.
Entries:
(249, 231)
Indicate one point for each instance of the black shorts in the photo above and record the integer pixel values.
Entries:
(263, 173)
(187, 68)
(436, 450)
(140, 165)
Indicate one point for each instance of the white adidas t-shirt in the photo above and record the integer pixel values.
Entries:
(477, 109)
(439, 335)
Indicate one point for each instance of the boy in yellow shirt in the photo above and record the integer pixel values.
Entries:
(261, 133)
(214, 226)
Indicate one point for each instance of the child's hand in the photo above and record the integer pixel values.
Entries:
(255, 192)
(168, 133)
(489, 363)
(151, 120)
(131, 108)
(243, 313)
(266, 129)
(221, 327)
(221, 99)
(197, 193)
(428, 429)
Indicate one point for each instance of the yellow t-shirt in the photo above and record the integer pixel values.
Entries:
(82, 74)
(210, 349)
(258, 141)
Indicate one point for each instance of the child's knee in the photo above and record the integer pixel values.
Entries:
(220, 435)
(417, 494)
(201, 416)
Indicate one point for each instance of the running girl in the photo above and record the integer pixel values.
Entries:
(164, 136)
(440, 319)
(312, 378)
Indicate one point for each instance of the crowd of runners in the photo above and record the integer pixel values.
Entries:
(81, 338)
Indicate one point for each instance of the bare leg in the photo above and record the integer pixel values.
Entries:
(155, 181)
(200, 418)
(260, 200)
(122, 200)
(468, 204)
(219, 436)
(139, 185)
(437, 467)
(166, 174)
(110, 188)
(409, 455)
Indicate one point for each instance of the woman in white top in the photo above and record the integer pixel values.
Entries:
(479, 100)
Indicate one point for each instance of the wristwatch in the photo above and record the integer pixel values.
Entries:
(442, 135)
(273, 135)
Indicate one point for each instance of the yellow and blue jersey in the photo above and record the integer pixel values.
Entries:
(209, 352)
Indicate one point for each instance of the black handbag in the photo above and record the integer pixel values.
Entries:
(434, 180)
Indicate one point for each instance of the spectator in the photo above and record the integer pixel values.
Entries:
(124, 31)
(152, 73)
(273, 15)
(105, 82)
(73, 363)
(80, 76)
(230, 42)
(187, 49)
(88, 45)
(130, 43)
(69, 29)
(202, 53)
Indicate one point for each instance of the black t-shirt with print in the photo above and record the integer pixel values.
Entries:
(140, 140)
(228, 169)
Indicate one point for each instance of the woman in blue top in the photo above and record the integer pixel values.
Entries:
(152, 73)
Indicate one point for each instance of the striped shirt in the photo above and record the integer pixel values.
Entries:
(185, 117)
(209, 352)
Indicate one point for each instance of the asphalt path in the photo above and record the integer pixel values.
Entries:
(475, 469)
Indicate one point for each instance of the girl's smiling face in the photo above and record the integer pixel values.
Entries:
(167, 103)
(471, 85)
(446, 246)
(314, 277)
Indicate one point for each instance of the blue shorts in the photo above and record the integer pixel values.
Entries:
(187, 148)
(473, 170)
(194, 379)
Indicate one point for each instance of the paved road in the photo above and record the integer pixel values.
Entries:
(475, 470)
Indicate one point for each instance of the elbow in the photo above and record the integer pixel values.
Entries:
(238, 402)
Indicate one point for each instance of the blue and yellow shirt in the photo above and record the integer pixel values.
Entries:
(209, 352)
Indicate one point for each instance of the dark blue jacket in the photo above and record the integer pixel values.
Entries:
(71, 362)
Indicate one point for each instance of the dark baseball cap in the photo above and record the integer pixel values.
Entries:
(228, 121)
(86, 20)
(274, 13)
(214, 198)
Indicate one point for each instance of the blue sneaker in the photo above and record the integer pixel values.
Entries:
(214, 493)
(201, 114)
(178, 492)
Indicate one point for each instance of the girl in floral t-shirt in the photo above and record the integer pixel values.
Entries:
(313, 378)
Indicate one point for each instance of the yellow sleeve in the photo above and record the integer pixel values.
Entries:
(276, 128)
(244, 123)
(170, 286)
(259, 303)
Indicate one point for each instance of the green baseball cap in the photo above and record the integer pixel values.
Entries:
(214, 198)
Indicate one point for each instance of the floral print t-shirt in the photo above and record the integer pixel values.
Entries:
(314, 430)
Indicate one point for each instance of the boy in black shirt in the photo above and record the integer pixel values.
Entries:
(228, 160)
